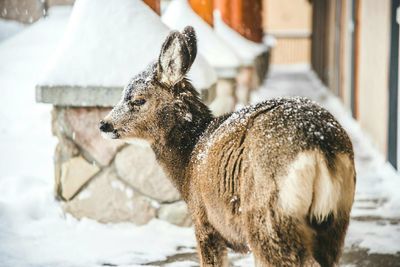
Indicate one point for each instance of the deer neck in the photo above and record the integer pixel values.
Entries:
(173, 151)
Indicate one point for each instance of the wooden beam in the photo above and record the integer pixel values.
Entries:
(204, 8)
(154, 4)
(357, 44)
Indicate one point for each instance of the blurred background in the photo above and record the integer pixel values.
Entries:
(70, 198)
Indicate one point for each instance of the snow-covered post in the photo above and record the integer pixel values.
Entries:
(107, 43)
(239, 23)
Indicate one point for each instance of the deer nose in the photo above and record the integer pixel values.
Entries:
(106, 127)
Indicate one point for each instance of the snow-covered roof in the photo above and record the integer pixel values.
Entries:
(220, 55)
(246, 49)
(107, 42)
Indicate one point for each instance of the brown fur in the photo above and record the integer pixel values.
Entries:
(276, 178)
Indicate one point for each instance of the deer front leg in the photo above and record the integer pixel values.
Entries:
(211, 247)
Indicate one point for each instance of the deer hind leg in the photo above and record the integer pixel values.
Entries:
(211, 246)
(329, 239)
(330, 233)
(278, 240)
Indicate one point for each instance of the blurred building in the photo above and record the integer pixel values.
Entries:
(355, 53)
(352, 45)
(289, 21)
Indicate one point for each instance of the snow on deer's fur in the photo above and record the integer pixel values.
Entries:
(276, 178)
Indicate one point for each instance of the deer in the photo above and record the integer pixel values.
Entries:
(275, 178)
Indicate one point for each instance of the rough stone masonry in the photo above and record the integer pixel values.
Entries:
(109, 181)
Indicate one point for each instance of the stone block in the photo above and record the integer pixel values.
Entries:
(109, 200)
(74, 174)
(176, 213)
(25, 11)
(224, 101)
(137, 165)
(262, 63)
(51, 3)
(245, 83)
(65, 150)
(78, 96)
(82, 126)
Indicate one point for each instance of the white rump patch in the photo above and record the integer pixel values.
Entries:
(309, 188)
(295, 189)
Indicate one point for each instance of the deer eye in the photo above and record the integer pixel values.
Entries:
(138, 102)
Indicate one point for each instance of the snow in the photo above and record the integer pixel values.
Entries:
(378, 237)
(269, 40)
(9, 28)
(107, 42)
(201, 74)
(34, 231)
(24, 56)
(247, 50)
(216, 51)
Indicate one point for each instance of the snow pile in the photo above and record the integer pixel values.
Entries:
(269, 40)
(108, 42)
(201, 74)
(220, 55)
(34, 232)
(21, 118)
(9, 28)
(246, 49)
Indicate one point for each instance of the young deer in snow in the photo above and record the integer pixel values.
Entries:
(276, 178)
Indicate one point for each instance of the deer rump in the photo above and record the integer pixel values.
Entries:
(262, 167)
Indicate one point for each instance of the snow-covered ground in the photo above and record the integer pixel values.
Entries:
(9, 28)
(35, 232)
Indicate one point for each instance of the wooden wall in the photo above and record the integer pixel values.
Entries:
(350, 53)
(289, 21)
(373, 62)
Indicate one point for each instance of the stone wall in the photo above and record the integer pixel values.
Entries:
(28, 11)
(108, 180)
(25, 11)
(51, 3)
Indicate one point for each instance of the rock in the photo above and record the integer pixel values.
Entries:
(109, 200)
(175, 213)
(83, 128)
(26, 11)
(137, 166)
(74, 174)
(65, 150)
(246, 81)
(262, 63)
(224, 101)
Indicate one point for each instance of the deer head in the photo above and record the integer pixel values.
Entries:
(160, 97)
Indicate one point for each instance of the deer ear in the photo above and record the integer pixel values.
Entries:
(190, 36)
(176, 56)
